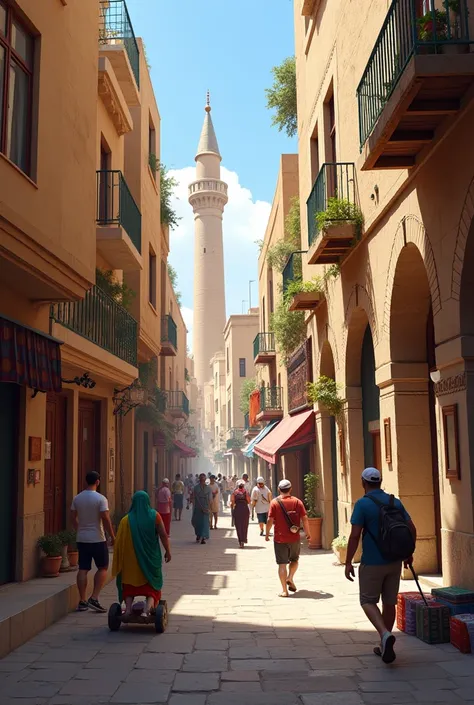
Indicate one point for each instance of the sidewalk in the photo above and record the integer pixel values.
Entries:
(232, 641)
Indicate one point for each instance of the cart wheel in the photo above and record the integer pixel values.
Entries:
(161, 617)
(115, 612)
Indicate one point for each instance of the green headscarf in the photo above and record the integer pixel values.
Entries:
(142, 522)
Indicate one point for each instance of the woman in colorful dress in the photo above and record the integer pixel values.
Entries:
(201, 499)
(240, 501)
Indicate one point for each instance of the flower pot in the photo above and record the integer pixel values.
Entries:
(50, 566)
(341, 553)
(73, 557)
(315, 540)
(64, 560)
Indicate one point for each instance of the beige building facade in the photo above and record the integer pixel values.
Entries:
(386, 129)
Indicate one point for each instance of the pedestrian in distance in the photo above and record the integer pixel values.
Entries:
(388, 539)
(261, 498)
(214, 508)
(240, 501)
(225, 491)
(164, 502)
(90, 514)
(177, 491)
(189, 484)
(248, 486)
(286, 515)
(201, 499)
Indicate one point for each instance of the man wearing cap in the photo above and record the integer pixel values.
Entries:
(377, 576)
(163, 503)
(286, 514)
(261, 498)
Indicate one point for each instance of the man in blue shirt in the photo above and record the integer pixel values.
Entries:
(377, 576)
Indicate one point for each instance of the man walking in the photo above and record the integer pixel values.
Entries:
(90, 513)
(388, 538)
(286, 514)
(246, 481)
(163, 503)
(261, 498)
(177, 490)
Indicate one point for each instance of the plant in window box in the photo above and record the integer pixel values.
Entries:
(340, 211)
(311, 484)
(50, 545)
(304, 295)
(289, 328)
(325, 391)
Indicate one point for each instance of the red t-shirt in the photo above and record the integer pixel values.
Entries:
(282, 533)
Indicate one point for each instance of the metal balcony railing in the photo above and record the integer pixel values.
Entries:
(263, 343)
(116, 205)
(405, 32)
(235, 438)
(169, 331)
(335, 180)
(271, 399)
(100, 319)
(176, 400)
(293, 269)
(116, 28)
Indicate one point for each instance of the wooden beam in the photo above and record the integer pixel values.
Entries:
(394, 162)
(408, 136)
(434, 107)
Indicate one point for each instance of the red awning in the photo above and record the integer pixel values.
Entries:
(184, 450)
(291, 433)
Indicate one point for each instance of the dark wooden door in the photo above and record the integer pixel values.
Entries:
(88, 440)
(377, 450)
(55, 465)
(9, 405)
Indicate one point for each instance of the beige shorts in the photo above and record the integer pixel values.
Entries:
(379, 580)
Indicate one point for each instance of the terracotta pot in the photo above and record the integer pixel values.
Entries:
(315, 540)
(73, 557)
(64, 560)
(50, 566)
(341, 554)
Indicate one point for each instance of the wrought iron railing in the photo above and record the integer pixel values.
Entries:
(335, 180)
(116, 205)
(116, 28)
(271, 398)
(100, 319)
(293, 270)
(169, 331)
(405, 32)
(263, 343)
(247, 426)
(176, 400)
(236, 438)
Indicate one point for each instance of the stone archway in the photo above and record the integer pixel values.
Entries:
(463, 235)
(328, 460)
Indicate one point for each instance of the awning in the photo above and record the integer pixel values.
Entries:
(291, 433)
(184, 450)
(29, 357)
(248, 449)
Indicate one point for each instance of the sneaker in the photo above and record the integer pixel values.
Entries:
(95, 605)
(261, 533)
(82, 606)
(388, 654)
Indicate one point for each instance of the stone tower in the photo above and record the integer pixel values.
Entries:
(208, 196)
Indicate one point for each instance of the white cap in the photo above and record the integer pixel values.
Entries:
(166, 481)
(284, 485)
(241, 483)
(371, 475)
(260, 480)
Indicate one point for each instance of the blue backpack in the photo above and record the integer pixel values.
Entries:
(395, 540)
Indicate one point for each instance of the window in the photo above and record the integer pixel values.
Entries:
(331, 122)
(227, 359)
(152, 278)
(242, 367)
(229, 424)
(270, 290)
(16, 88)
(217, 382)
(217, 405)
(314, 154)
(264, 329)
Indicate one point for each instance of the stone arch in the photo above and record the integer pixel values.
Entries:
(359, 311)
(328, 341)
(411, 230)
(465, 221)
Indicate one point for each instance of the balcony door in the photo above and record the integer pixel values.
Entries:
(55, 465)
(105, 183)
(88, 440)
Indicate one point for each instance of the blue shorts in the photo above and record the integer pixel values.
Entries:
(97, 552)
(178, 501)
(262, 518)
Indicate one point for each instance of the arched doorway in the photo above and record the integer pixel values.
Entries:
(327, 369)
(370, 404)
(412, 353)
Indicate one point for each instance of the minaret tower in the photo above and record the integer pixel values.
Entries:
(208, 196)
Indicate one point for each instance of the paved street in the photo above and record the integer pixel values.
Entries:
(231, 640)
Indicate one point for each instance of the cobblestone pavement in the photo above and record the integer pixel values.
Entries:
(231, 641)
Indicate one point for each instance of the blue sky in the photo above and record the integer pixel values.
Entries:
(230, 48)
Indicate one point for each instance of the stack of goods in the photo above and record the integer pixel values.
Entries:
(462, 633)
(459, 600)
(432, 622)
(406, 612)
(401, 608)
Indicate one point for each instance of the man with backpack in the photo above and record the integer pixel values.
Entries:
(286, 514)
(388, 539)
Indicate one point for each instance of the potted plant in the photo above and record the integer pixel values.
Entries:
(339, 546)
(325, 391)
(311, 482)
(64, 537)
(50, 545)
(72, 552)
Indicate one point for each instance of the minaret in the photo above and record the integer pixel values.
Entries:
(208, 196)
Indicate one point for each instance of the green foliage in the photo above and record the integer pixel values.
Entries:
(187, 376)
(50, 544)
(67, 537)
(325, 391)
(332, 272)
(281, 97)
(289, 328)
(298, 286)
(277, 255)
(340, 209)
(147, 373)
(248, 386)
(293, 222)
(153, 413)
(311, 484)
(72, 543)
(167, 184)
(119, 291)
(260, 243)
(173, 275)
(429, 30)
(153, 163)
(340, 542)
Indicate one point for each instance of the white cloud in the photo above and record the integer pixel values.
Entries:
(244, 222)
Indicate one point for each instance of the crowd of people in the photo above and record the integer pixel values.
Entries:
(387, 531)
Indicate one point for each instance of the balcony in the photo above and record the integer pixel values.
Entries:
(118, 43)
(119, 222)
(169, 337)
(235, 439)
(332, 213)
(101, 320)
(415, 84)
(219, 457)
(249, 431)
(264, 348)
(300, 297)
(271, 404)
(177, 404)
